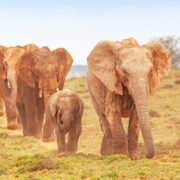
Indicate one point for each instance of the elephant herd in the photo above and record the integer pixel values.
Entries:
(121, 75)
(28, 76)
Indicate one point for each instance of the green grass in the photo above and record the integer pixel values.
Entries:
(29, 158)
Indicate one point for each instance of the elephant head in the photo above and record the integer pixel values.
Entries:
(11, 57)
(139, 69)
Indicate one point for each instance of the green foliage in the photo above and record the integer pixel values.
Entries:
(28, 158)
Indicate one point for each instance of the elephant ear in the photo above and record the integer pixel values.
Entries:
(64, 61)
(2, 67)
(161, 60)
(102, 63)
(25, 67)
(64, 58)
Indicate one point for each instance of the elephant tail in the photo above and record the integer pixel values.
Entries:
(63, 125)
(60, 123)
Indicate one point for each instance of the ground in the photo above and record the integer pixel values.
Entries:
(29, 158)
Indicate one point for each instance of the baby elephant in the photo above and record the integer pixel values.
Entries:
(65, 109)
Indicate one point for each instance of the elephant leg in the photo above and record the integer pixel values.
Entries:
(73, 137)
(106, 145)
(11, 113)
(107, 141)
(31, 113)
(10, 107)
(60, 136)
(48, 129)
(133, 132)
(40, 114)
(97, 93)
(22, 117)
(113, 115)
(118, 134)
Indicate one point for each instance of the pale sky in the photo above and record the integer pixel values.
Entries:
(78, 25)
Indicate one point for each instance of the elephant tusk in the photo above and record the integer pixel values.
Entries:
(9, 84)
(57, 89)
(40, 93)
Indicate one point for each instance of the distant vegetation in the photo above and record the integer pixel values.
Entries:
(77, 71)
(173, 44)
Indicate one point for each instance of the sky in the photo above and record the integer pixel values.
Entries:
(78, 25)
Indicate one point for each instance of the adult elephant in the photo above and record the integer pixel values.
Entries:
(121, 75)
(9, 58)
(40, 74)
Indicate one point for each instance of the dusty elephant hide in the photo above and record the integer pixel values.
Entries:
(66, 111)
(121, 75)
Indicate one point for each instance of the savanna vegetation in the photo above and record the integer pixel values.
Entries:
(29, 158)
(172, 43)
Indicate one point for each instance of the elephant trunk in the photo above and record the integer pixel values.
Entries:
(49, 87)
(47, 95)
(11, 109)
(139, 94)
(48, 125)
(12, 85)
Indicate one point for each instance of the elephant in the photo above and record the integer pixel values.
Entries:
(9, 58)
(121, 75)
(65, 110)
(41, 72)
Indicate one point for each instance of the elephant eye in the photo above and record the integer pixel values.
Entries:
(57, 69)
(124, 71)
(5, 64)
(36, 71)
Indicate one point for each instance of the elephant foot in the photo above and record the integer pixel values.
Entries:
(118, 149)
(12, 126)
(48, 139)
(62, 154)
(38, 136)
(133, 155)
(33, 134)
(106, 150)
(71, 151)
(150, 154)
(106, 146)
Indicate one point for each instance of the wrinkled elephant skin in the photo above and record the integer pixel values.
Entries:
(121, 75)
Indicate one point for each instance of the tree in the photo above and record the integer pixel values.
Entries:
(172, 43)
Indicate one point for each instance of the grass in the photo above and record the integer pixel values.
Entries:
(28, 158)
